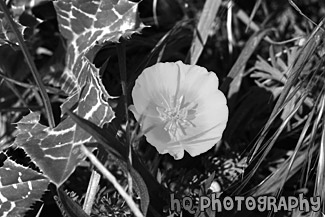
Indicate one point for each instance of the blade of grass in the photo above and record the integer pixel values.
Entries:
(302, 137)
(275, 181)
(319, 104)
(240, 63)
(253, 26)
(265, 149)
(208, 14)
(300, 12)
(294, 71)
(313, 135)
(297, 89)
(260, 137)
(262, 134)
(256, 6)
(31, 64)
(245, 19)
(229, 28)
(302, 58)
(319, 184)
(271, 183)
(154, 11)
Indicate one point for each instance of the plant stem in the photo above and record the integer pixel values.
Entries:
(91, 192)
(128, 199)
(31, 64)
(122, 67)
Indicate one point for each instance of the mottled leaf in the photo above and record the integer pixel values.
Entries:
(83, 24)
(86, 23)
(56, 151)
(20, 187)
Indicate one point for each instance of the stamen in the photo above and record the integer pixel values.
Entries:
(175, 118)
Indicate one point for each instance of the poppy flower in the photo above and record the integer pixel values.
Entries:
(179, 108)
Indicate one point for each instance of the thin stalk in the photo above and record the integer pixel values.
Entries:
(21, 109)
(16, 92)
(122, 67)
(31, 64)
(91, 192)
(52, 90)
(128, 199)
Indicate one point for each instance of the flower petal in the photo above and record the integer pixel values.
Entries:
(158, 83)
(158, 136)
(184, 98)
(210, 122)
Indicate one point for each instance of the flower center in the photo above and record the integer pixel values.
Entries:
(175, 118)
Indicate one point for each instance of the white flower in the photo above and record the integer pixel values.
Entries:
(181, 106)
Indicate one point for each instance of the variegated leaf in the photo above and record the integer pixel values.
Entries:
(51, 149)
(84, 23)
(56, 151)
(20, 187)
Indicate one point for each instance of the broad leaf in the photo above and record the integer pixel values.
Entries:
(83, 24)
(51, 149)
(20, 187)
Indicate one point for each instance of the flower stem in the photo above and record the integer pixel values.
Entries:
(122, 67)
(31, 64)
(91, 191)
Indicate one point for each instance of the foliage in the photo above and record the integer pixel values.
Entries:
(85, 56)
